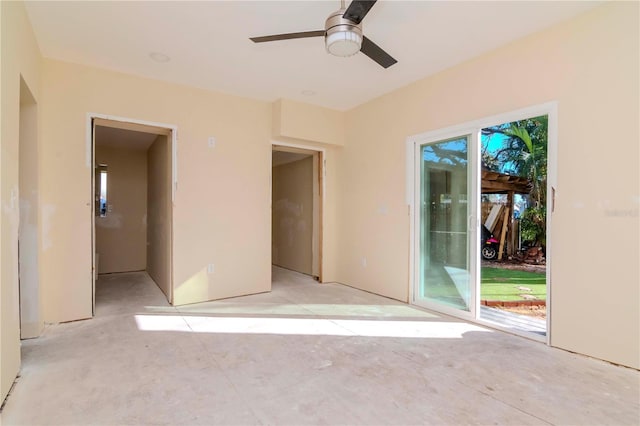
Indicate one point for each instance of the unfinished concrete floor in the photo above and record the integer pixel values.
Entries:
(303, 354)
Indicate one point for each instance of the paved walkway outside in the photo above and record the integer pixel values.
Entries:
(513, 321)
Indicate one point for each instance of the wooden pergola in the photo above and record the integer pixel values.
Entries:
(498, 183)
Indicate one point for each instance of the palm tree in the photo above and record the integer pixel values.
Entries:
(525, 152)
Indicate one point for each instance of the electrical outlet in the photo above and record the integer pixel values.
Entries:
(210, 268)
(211, 142)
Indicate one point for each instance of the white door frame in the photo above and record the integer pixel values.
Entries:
(90, 161)
(412, 195)
(323, 191)
(416, 144)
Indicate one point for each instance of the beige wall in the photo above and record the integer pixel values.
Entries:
(20, 57)
(292, 215)
(121, 236)
(222, 203)
(5, 369)
(158, 253)
(589, 65)
(31, 323)
(221, 209)
(307, 122)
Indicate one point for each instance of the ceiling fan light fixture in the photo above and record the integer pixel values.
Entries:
(342, 34)
(343, 43)
(342, 37)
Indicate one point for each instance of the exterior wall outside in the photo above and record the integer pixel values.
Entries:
(589, 65)
(121, 236)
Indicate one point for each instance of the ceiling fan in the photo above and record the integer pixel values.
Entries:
(343, 34)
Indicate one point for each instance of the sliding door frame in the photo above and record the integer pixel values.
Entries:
(418, 143)
(412, 195)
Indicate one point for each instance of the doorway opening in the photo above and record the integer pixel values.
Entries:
(132, 190)
(296, 209)
(31, 323)
(513, 283)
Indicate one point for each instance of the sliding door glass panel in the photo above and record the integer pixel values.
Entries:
(444, 271)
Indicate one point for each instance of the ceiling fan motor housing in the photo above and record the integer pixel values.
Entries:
(342, 36)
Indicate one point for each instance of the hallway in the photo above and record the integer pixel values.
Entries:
(306, 353)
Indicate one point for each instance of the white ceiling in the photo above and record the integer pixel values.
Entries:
(209, 46)
(123, 139)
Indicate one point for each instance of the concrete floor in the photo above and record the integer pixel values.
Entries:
(303, 354)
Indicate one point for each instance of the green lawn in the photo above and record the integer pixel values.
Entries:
(502, 284)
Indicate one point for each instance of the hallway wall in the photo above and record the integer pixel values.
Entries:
(121, 236)
(31, 323)
(158, 197)
(20, 58)
(292, 215)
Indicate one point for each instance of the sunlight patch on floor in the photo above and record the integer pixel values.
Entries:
(306, 326)
(355, 310)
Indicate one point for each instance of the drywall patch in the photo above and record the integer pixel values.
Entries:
(110, 221)
(48, 210)
(11, 210)
(10, 207)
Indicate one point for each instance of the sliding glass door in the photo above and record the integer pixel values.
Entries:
(444, 269)
(487, 184)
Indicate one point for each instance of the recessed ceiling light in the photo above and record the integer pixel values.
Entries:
(308, 92)
(159, 57)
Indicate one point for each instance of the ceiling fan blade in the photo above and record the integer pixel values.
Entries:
(358, 9)
(287, 36)
(374, 51)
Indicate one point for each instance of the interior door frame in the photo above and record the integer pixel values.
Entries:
(322, 163)
(412, 198)
(171, 131)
